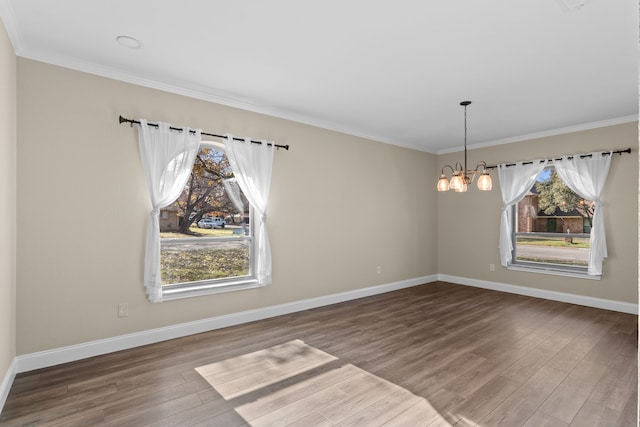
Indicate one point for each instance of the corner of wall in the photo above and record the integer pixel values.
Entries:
(8, 196)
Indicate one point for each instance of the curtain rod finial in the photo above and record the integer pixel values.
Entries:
(124, 120)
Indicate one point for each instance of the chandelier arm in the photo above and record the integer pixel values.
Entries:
(474, 174)
(476, 171)
(447, 166)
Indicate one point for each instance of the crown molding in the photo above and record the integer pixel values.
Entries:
(218, 97)
(201, 93)
(546, 133)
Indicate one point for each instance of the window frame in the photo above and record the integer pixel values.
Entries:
(544, 268)
(547, 268)
(213, 286)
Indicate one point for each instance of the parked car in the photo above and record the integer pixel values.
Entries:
(216, 222)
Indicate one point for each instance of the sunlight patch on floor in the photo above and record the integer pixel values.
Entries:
(340, 394)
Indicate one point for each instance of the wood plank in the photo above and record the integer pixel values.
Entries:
(469, 382)
(362, 391)
(383, 410)
(618, 384)
(265, 367)
(314, 419)
(445, 403)
(419, 415)
(204, 413)
(296, 410)
(525, 367)
(540, 419)
(487, 397)
(301, 390)
(433, 376)
(226, 419)
(566, 400)
(596, 414)
(150, 414)
(85, 418)
(518, 407)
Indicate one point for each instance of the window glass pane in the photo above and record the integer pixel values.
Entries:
(212, 238)
(553, 250)
(195, 260)
(553, 224)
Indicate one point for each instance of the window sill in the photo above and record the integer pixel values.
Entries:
(552, 271)
(172, 292)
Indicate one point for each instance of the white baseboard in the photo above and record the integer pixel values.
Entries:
(7, 382)
(43, 359)
(606, 304)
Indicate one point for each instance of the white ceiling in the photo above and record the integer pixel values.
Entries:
(393, 71)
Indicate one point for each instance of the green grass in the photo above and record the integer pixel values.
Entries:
(179, 266)
(578, 242)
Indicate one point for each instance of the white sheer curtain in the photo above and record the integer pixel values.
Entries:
(232, 189)
(587, 176)
(515, 181)
(252, 165)
(167, 157)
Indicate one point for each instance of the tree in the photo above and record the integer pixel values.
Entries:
(553, 194)
(204, 192)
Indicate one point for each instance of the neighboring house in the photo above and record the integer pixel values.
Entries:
(169, 218)
(532, 220)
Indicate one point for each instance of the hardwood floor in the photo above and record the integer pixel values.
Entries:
(437, 354)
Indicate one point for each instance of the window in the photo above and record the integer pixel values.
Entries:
(552, 226)
(211, 251)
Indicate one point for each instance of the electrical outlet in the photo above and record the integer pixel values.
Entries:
(492, 267)
(123, 309)
(379, 269)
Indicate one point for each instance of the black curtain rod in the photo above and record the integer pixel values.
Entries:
(125, 120)
(582, 156)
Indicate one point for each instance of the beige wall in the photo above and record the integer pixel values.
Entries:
(468, 223)
(340, 206)
(82, 210)
(7, 202)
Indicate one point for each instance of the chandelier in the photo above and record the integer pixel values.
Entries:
(461, 176)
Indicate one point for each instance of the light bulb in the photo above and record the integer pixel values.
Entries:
(456, 182)
(484, 182)
(443, 183)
